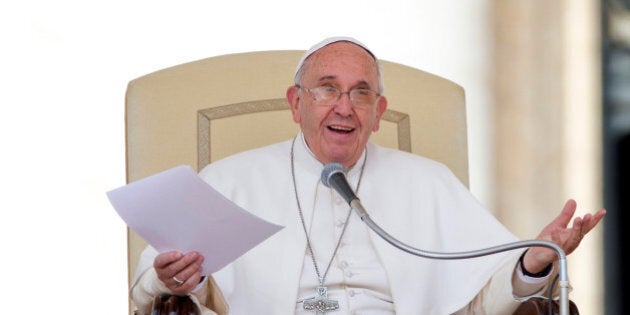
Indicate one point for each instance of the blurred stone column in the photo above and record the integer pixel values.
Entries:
(528, 106)
(546, 113)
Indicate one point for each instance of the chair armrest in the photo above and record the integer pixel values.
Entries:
(183, 305)
(540, 306)
(173, 305)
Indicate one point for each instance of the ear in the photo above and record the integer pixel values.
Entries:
(293, 98)
(381, 107)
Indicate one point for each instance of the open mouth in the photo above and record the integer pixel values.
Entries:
(340, 129)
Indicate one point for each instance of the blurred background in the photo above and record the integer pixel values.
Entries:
(548, 100)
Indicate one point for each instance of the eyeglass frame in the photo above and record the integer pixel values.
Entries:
(340, 93)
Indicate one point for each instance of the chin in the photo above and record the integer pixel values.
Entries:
(344, 154)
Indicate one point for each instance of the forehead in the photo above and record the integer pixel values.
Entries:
(341, 59)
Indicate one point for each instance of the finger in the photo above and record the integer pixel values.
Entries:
(177, 282)
(577, 230)
(175, 267)
(190, 270)
(566, 214)
(590, 221)
(187, 261)
(578, 225)
(188, 278)
(598, 216)
(186, 286)
(581, 227)
(165, 259)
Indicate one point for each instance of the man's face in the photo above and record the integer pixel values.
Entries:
(337, 131)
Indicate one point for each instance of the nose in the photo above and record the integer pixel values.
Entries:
(343, 105)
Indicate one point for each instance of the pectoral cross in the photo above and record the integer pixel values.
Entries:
(320, 303)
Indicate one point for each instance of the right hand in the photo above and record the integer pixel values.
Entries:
(559, 232)
(186, 268)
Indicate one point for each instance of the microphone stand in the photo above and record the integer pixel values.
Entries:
(563, 282)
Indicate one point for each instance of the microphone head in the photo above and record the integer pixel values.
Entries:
(331, 169)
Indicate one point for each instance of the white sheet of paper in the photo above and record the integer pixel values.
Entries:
(177, 210)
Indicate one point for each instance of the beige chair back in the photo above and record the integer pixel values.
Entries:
(205, 110)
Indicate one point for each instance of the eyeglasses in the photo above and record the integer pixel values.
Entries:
(329, 94)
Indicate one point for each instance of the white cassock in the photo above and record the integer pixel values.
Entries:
(417, 200)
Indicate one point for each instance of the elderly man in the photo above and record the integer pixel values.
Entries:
(325, 260)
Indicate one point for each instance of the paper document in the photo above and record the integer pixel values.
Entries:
(177, 210)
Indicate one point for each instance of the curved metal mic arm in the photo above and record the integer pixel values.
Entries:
(562, 259)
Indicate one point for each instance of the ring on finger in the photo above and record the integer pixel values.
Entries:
(178, 282)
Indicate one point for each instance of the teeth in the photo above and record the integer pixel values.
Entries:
(340, 128)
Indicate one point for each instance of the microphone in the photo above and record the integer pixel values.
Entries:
(334, 176)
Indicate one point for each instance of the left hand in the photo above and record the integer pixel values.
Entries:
(186, 268)
(537, 258)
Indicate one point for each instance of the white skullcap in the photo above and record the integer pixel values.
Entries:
(327, 42)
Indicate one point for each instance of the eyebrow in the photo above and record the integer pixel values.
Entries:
(333, 77)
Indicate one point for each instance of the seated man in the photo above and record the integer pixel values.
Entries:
(326, 254)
